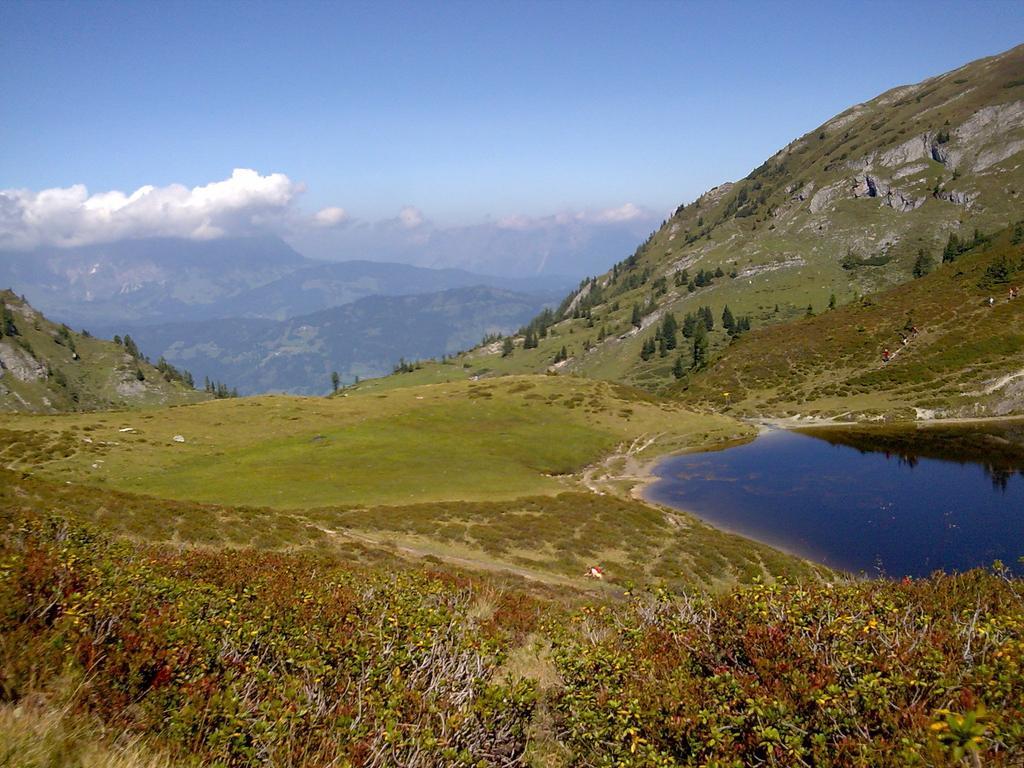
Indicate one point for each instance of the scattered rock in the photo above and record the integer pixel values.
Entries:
(179, 438)
(958, 198)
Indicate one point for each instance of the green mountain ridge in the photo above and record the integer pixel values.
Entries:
(47, 367)
(846, 210)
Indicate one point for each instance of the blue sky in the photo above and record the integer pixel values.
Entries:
(469, 112)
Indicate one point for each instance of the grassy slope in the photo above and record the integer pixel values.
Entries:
(483, 474)
(103, 376)
(552, 539)
(466, 440)
(832, 364)
(786, 255)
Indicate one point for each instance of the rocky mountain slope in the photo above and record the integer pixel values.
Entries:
(853, 207)
(46, 367)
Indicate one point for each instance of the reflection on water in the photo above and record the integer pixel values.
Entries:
(996, 447)
(877, 500)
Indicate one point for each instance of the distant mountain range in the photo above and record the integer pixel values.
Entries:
(365, 338)
(257, 315)
(161, 280)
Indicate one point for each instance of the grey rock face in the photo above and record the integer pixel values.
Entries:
(958, 198)
(19, 363)
(866, 185)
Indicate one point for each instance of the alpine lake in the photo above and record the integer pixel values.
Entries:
(887, 501)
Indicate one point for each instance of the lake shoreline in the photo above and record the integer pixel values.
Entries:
(656, 472)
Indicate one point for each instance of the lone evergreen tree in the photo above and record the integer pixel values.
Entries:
(335, 380)
(507, 346)
(952, 249)
(529, 339)
(709, 318)
(728, 321)
(647, 350)
(700, 347)
(7, 326)
(636, 320)
(130, 347)
(689, 324)
(923, 264)
(678, 370)
(832, 301)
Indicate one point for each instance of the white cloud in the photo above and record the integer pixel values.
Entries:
(410, 217)
(623, 214)
(330, 217)
(515, 222)
(627, 212)
(70, 216)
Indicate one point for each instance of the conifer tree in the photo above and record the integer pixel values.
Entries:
(728, 321)
(689, 324)
(952, 249)
(700, 347)
(7, 326)
(709, 318)
(678, 370)
(923, 264)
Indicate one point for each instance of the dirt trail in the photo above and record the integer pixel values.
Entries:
(1001, 382)
(479, 564)
(622, 466)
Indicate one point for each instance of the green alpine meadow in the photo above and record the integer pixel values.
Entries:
(325, 486)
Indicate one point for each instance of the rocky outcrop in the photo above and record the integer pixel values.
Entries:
(804, 192)
(825, 196)
(917, 148)
(130, 387)
(997, 154)
(958, 198)
(19, 363)
(910, 170)
(990, 122)
(867, 185)
(580, 296)
(851, 115)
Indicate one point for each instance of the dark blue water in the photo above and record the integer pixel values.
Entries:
(852, 508)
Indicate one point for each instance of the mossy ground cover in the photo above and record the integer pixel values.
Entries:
(260, 659)
(241, 657)
(466, 440)
(549, 539)
(917, 673)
